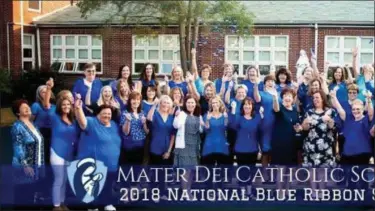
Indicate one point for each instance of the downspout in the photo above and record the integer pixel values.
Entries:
(21, 9)
(38, 47)
(8, 45)
(316, 43)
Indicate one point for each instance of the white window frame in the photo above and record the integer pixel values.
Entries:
(32, 47)
(342, 50)
(34, 10)
(76, 60)
(160, 61)
(256, 49)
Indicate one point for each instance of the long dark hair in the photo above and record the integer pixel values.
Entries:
(251, 101)
(285, 72)
(324, 99)
(130, 81)
(133, 95)
(197, 110)
(143, 73)
(343, 75)
(59, 108)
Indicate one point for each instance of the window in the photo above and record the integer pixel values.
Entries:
(70, 53)
(28, 53)
(163, 51)
(35, 5)
(338, 50)
(268, 52)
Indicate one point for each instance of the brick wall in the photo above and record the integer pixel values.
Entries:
(6, 16)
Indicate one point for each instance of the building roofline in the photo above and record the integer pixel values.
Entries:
(35, 19)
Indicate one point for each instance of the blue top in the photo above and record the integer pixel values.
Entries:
(218, 83)
(357, 136)
(148, 83)
(238, 106)
(268, 113)
(183, 86)
(100, 142)
(41, 115)
(342, 92)
(160, 139)
(113, 85)
(146, 107)
(199, 85)
(122, 104)
(279, 88)
(247, 129)
(304, 98)
(215, 141)
(250, 88)
(363, 85)
(137, 135)
(64, 136)
(81, 88)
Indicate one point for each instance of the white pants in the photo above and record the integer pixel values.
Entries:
(60, 178)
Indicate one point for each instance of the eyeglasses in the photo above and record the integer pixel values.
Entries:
(353, 93)
(356, 109)
(90, 71)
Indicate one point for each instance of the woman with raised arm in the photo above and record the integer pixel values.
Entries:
(100, 140)
(283, 80)
(148, 77)
(189, 125)
(125, 74)
(222, 84)
(177, 97)
(65, 133)
(208, 93)
(134, 131)
(364, 78)
(106, 98)
(339, 83)
(177, 80)
(149, 99)
(252, 78)
(201, 78)
(122, 95)
(306, 99)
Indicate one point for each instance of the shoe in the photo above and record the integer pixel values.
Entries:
(110, 208)
(59, 208)
(65, 208)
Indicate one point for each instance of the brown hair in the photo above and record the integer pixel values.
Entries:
(197, 110)
(310, 92)
(89, 65)
(180, 90)
(134, 95)
(343, 77)
(268, 78)
(63, 93)
(251, 102)
(324, 98)
(222, 106)
(205, 66)
(286, 72)
(288, 90)
(16, 106)
(59, 111)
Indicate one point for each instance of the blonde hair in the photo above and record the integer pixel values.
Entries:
(368, 67)
(222, 106)
(63, 94)
(168, 99)
(358, 102)
(180, 90)
(353, 87)
(241, 86)
(174, 69)
(209, 84)
(101, 100)
(38, 96)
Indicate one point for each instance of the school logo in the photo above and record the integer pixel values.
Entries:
(87, 178)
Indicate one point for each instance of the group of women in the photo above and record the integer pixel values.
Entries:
(192, 121)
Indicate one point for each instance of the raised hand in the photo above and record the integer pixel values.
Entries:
(78, 101)
(233, 104)
(50, 83)
(128, 116)
(193, 51)
(273, 92)
(143, 119)
(355, 52)
(209, 115)
(166, 79)
(231, 84)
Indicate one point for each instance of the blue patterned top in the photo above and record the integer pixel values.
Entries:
(137, 135)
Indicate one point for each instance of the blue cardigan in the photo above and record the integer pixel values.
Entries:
(81, 88)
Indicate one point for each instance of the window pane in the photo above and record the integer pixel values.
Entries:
(244, 68)
(98, 66)
(333, 42)
(81, 66)
(83, 54)
(56, 66)
(27, 40)
(333, 58)
(139, 54)
(140, 41)
(167, 55)
(83, 40)
(169, 41)
(249, 42)
(233, 55)
(27, 65)
(153, 54)
(96, 40)
(367, 43)
(178, 55)
(264, 56)
(56, 40)
(69, 40)
(264, 41)
(57, 53)
(96, 54)
(348, 58)
(280, 56)
(264, 69)
(167, 68)
(27, 53)
(235, 68)
(153, 41)
(248, 56)
(138, 67)
(350, 42)
(34, 4)
(367, 58)
(281, 42)
(68, 66)
(278, 67)
(70, 53)
(233, 41)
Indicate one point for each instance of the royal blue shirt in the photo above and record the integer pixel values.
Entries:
(199, 85)
(357, 135)
(42, 115)
(122, 104)
(238, 106)
(161, 138)
(267, 104)
(81, 88)
(342, 92)
(100, 142)
(247, 129)
(280, 88)
(218, 83)
(250, 88)
(137, 136)
(64, 136)
(304, 98)
(215, 141)
(183, 86)
(146, 107)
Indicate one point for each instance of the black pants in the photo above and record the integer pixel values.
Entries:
(159, 161)
(46, 132)
(232, 136)
(133, 156)
(248, 159)
(349, 161)
(221, 160)
(25, 196)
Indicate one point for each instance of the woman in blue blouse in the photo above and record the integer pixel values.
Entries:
(283, 79)
(89, 88)
(99, 140)
(177, 80)
(28, 154)
(201, 78)
(304, 99)
(134, 131)
(122, 94)
(247, 125)
(149, 101)
(252, 78)
(65, 133)
(222, 84)
(364, 78)
(125, 74)
(40, 113)
(147, 78)
(339, 83)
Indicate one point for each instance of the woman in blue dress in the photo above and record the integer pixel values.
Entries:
(65, 133)
(148, 77)
(28, 154)
(99, 140)
(40, 112)
(134, 131)
(247, 125)
(252, 78)
(124, 74)
(177, 80)
(304, 99)
(122, 94)
(149, 99)
(222, 84)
